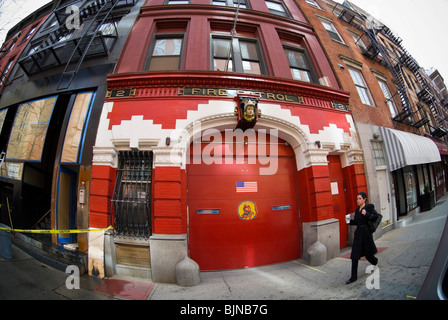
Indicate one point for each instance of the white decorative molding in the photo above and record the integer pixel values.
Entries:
(105, 156)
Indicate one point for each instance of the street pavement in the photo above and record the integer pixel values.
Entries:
(405, 256)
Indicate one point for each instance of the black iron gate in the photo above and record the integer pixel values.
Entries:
(131, 202)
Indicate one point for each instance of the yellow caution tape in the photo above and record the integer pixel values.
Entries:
(55, 231)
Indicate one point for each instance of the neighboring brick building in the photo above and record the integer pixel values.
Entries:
(371, 64)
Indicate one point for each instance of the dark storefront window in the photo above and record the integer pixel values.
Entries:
(410, 185)
(407, 190)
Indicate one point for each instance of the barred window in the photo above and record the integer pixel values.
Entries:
(334, 34)
(131, 202)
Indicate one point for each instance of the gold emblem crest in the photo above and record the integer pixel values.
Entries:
(247, 210)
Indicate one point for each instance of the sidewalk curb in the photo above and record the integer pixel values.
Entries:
(59, 263)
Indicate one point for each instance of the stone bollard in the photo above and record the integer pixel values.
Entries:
(187, 273)
(317, 254)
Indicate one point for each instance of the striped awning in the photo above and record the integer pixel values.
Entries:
(407, 149)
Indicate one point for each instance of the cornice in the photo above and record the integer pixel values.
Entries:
(224, 12)
(167, 84)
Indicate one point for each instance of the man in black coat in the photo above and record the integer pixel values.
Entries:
(363, 244)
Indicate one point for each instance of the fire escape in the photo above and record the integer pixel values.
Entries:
(395, 63)
(67, 46)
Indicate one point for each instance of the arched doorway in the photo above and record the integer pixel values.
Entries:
(238, 217)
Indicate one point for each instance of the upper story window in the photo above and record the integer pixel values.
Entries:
(361, 87)
(231, 3)
(334, 34)
(358, 40)
(11, 47)
(177, 1)
(166, 53)
(299, 64)
(277, 7)
(131, 201)
(388, 96)
(241, 55)
(313, 4)
(6, 71)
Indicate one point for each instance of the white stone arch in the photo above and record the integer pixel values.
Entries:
(297, 136)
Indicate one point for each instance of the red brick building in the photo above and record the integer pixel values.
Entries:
(218, 140)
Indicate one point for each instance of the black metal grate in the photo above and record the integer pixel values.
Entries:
(131, 202)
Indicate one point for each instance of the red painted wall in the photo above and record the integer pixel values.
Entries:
(101, 190)
(169, 201)
(166, 112)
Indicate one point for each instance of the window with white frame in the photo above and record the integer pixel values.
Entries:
(361, 87)
(334, 34)
(177, 1)
(388, 96)
(277, 7)
(231, 3)
(378, 153)
(358, 40)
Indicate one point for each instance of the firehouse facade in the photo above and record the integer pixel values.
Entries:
(225, 138)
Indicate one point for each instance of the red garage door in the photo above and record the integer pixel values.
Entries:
(239, 218)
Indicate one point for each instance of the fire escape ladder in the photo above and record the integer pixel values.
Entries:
(406, 115)
(95, 15)
(378, 52)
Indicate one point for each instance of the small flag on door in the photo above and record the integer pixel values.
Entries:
(242, 186)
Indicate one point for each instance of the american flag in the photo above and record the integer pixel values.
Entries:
(242, 186)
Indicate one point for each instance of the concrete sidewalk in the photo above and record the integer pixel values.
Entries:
(404, 259)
